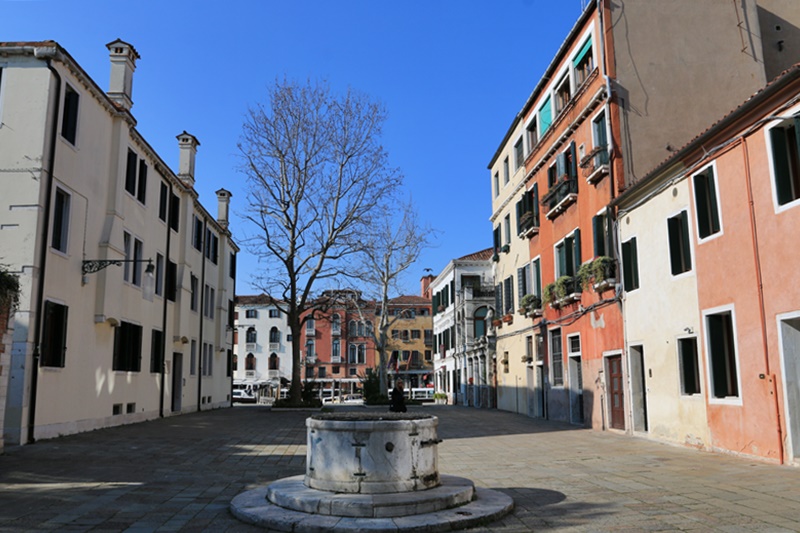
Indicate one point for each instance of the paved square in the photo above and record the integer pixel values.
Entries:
(180, 474)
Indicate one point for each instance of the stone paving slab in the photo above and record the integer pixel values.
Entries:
(181, 473)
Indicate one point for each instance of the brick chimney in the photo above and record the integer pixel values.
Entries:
(188, 150)
(425, 285)
(123, 63)
(224, 198)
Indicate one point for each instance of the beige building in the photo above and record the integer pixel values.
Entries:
(127, 280)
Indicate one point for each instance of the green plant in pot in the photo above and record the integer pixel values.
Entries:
(530, 303)
(595, 271)
(548, 293)
(562, 287)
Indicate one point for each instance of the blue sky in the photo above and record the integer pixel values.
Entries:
(451, 73)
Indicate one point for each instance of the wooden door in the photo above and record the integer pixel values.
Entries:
(616, 395)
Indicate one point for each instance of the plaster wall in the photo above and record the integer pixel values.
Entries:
(661, 311)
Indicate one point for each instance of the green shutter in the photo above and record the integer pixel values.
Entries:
(685, 245)
(537, 278)
(598, 235)
(519, 216)
(545, 116)
(572, 167)
(780, 161)
(536, 203)
(576, 243)
(587, 46)
(630, 273)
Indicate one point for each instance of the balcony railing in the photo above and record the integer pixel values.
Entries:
(336, 329)
(250, 346)
(529, 224)
(560, 196)
(274, 346)
(595, 164)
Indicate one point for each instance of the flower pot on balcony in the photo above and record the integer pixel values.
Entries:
(508, 319)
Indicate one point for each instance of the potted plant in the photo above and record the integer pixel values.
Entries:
(596, 272)
(440, 398)
(548, 293)
(529, 304)
(506, 248)
(509, 318)
(497, 322)
(564, 286)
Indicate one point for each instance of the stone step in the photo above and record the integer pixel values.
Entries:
(291, 493)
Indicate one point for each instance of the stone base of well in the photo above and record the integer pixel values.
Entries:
(303, 509)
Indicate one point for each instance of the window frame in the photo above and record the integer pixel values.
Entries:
(60, 224)
(519, 153)
(792, 120)
(506, 171)
(631, 275)
(127, 351)
(714, 209)
(556, 381)
(70, 114)
(712, 398)
(682, 367)
(682, 245)
(53, 354)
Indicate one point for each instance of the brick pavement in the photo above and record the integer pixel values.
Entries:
(180, 473)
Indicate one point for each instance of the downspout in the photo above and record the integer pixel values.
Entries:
(202, 289)
(37, 314)
(761, 310)
(164, 309)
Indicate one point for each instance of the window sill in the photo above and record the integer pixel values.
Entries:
(597, 174)
(604, 285)
(561, 206)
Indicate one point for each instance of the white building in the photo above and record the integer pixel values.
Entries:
(262, 344)
(463, 307)
(127, 281)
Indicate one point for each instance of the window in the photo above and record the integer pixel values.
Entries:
(519, 158)
(54, 335)
(69, 119)
(679, 253)
(193, 358)
(507, 228)
(533, 135)
(174, 212)
(568, 255)
(274, 334)
(556, 358)
(159, 274)
(601, 234)
(137, 265)
(141, 189)
(508, 293)
(130, 172)
(274, 313)
(536, 277)
(706, 202)
(251, 335)
(496, 183)
(322, 372)
(251, 313)
(600, 140)
(722, 355)
(59, 238)
(785, 141)
(162, 202)
(545, 116)
(193, 287)
(505, 171)
(336, 350)
(208, 359)
(689, 368)
(172, 281)
(212, 243)
(630, 265)
(523, 281)
(250, 362)
(583, 62)
(479, 322)
(156, 351)
(127, 347)
(415, 334)
(563, 93)
(126, 244)
(310, 349)
(232, 266)
(208, 301)
(274, 362)
(197, 233)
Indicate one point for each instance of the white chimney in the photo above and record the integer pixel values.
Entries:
(224, 198)
(188, 147)
(123, 62)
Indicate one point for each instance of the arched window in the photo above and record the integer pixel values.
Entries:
(362, 354)
(335, 350)
(360, 329)
(479, 323)
(351, 328)
(274, 334)
(250, 362)
(369, 327)
(251, 335)
(335, 321)
(273, 361)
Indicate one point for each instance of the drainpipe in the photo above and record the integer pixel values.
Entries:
(162, 377)
(759, 280)
(37, 314)
(202, 288)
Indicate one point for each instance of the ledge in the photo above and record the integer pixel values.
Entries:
(561, 206)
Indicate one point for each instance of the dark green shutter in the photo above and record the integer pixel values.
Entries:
(686, 253)
(573, 161)
(630, 267)
(519, 215)
(598, 235)
(536, 204)
(576, 243)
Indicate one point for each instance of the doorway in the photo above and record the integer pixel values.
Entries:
(790, 349)
(638, 388)
(616, 393)
(177, 381)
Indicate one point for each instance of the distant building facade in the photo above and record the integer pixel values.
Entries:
(126, 310)
(463, 304)
(262, 343)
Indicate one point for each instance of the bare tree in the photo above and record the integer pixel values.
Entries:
(317, 176)
(396, 240)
